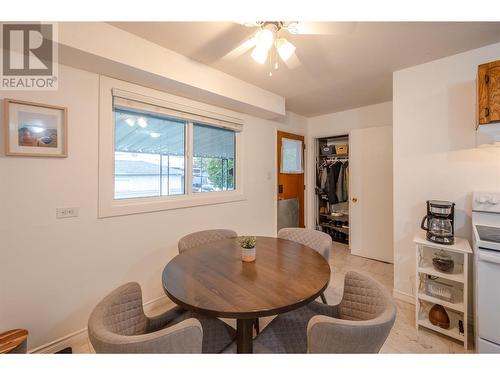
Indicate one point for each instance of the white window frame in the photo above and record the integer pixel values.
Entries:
(196, 112)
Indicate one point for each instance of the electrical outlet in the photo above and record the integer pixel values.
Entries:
(62, 213)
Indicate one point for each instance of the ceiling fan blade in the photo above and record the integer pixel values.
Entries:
(324, 28)
(241, 49)
(293, 62)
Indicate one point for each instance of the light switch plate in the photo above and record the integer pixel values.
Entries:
(62, 213)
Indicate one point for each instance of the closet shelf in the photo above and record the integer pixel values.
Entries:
(333, 217)
(334, 226)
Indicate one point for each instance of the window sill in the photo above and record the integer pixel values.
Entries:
(144, 205)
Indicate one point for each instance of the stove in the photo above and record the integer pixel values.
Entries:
(486, 245)
(488, 237)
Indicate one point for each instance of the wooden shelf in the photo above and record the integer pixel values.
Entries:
(459, 252)
(461, 245)
(457, 274)
(453, 331)
(454, 306)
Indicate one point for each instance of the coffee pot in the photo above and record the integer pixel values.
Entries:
(439, 222)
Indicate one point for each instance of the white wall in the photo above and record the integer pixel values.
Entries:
(434, 149)
(342, 122)
(339, 123)
(52, 272)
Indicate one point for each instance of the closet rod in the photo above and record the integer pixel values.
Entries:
(336, 137)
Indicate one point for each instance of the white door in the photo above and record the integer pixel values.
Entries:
(370, 206)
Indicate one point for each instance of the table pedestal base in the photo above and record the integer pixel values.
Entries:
(244, 335)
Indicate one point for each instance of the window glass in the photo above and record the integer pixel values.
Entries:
(149, 155)
(291, 156)
(213, 159)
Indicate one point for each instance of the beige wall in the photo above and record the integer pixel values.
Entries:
(53, 271)
(435, 154)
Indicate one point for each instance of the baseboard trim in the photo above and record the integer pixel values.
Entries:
(402, 296)
(80, 335)
(61, 343)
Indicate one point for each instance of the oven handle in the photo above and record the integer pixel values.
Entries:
(485, 257)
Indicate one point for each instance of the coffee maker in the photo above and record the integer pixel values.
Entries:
(440, 222)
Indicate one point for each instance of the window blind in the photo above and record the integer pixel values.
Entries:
(126, 100)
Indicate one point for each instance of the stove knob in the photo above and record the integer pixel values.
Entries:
(493, 200)
(482, 199)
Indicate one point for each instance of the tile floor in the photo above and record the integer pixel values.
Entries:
(404, 338)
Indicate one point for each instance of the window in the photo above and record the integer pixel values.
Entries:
(158, 151)
(213, 159)
(291, 156)
(149, 155)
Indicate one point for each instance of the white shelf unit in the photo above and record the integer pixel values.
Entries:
(456, 309)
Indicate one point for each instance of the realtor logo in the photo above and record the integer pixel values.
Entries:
(29, 56)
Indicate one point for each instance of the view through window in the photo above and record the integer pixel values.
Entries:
(150, 156)
(213, 161)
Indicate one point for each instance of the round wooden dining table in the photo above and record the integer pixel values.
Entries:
(211, 279)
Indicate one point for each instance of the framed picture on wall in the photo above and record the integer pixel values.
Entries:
(33, 129)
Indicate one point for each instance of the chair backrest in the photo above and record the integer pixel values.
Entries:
(319, 241)
(205, 236)
(362, 321)
(120, 313)
(364, 298)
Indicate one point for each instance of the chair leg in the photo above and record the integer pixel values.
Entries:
(323, 299)
(256, 325)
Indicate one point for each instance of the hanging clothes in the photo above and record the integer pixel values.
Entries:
(340, 181)
(333, 176)
(345, 182)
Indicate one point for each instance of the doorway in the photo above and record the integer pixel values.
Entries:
(353, 192)
(290, 150)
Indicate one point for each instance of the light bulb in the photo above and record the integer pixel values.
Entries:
(259, 55)
(141, 121)
(285, 48)
(265, 39)
(130, 121)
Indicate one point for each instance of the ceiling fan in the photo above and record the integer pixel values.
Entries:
(270, 44)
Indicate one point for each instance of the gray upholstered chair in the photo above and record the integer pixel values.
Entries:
(319, 241)
(118, 325)
(205, 236)
(360, 323)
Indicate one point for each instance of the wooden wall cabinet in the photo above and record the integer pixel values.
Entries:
(488, 93)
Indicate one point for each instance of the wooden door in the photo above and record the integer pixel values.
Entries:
(291, 171)
(370, 206)
(488, 92)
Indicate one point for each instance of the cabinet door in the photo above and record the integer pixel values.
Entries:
(482, 95)
(494, 93)
(488, 93)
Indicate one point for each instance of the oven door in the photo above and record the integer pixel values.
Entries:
(488, 298)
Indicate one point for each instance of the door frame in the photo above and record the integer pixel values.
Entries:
(313, 148)
(306, 162)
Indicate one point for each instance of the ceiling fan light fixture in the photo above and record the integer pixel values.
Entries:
(293, 27)
(285, 48)
(265, 39)
(260, 55)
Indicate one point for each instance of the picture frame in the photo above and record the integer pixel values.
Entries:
(35, 129)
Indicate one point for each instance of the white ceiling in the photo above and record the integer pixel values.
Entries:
(350, 68)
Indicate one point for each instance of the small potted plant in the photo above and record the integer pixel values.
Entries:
(248, 248)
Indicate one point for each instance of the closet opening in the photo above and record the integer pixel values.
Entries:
(332, 187)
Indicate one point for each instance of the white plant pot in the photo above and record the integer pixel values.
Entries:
(248, 255)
